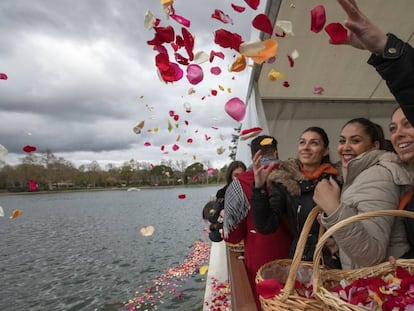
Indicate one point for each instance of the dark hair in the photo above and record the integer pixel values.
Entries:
(325, 140)
(234, 165)
(267, 149)
(373, 130)
(206, 209)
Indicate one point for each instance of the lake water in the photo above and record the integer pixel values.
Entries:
(83, 250)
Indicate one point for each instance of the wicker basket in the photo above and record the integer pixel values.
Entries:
(324, 279)
(289, 299)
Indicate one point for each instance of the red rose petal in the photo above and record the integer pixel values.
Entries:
(222, 17)
(181, 59)
(175, 147)
(238, 8)
(3, 76)
(268, 288)
(29, 148)
(188, 42)
(286, 84)
(214, 54)
(227, 39)
(181, 196)
(318, 18)
(189, 140)
(281, 35)
(263, 23)
(214, 92)
(291, 61)
(147, 144)
(254, 4)
(336, 32)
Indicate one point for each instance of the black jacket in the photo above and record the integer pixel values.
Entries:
(396, 67)
(289, 198)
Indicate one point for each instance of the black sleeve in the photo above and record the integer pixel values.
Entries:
(268, 210)
(396, 67)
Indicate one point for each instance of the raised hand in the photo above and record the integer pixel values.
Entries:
(363, 34)
(261, 172)
(326, 195)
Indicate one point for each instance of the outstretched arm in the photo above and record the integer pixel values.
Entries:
(363, 33)
(392, 58)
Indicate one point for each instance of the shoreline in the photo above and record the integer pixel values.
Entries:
(3, 193)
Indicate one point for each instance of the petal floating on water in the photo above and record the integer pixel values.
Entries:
(16, 213)
(203, 269)
(3, 76)
(147, 230)
(181, 196)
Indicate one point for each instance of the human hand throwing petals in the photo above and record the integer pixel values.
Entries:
(261, 172)
(363, 34)
(326, 195)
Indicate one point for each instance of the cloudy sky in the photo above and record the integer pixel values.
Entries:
(81, 76)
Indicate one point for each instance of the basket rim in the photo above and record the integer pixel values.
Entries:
(319, 289)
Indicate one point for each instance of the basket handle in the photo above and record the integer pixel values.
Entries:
(297, 257)
(318, 250)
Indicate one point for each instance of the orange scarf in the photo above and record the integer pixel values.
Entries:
(326, 168)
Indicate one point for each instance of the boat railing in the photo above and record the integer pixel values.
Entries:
(242, 298)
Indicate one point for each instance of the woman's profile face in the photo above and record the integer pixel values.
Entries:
(353, 141)
(402, 136)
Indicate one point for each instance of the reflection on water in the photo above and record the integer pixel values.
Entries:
(83, 251)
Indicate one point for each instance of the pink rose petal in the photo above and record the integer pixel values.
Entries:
(215, 70)
(235, 108)
(194, 74)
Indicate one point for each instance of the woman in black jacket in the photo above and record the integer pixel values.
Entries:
(286, 193)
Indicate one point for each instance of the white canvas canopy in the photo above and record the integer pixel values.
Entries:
(352, 88)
